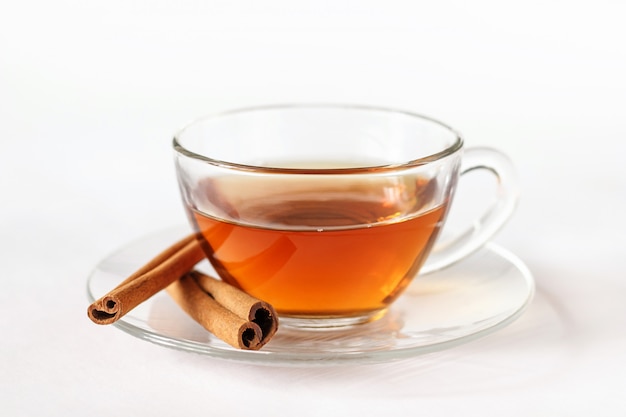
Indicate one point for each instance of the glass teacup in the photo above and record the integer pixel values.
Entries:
(328, 212)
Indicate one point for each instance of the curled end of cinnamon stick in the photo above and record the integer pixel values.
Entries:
(249, 336)
(264, 315)
(105, 310)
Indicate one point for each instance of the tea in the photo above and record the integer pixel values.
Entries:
(321, 253)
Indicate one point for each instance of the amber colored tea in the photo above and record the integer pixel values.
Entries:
(345, 253)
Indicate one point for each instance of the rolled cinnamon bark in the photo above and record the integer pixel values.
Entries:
(153, 277)
(240, 303)
(229, 313)
(228, 326)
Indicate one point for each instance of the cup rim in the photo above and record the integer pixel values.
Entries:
(453, 148)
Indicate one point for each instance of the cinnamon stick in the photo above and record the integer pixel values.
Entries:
(223, 323)
(153, 277)
(240, 303)
(232, 315)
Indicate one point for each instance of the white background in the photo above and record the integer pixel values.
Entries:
(91, 93)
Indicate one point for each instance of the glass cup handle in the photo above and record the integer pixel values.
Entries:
(482, 229)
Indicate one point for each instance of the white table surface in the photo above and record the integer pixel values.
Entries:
(90, 96)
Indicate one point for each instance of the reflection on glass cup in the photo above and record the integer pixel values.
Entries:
(327, 211)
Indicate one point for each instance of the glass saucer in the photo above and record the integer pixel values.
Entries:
(475, 297)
